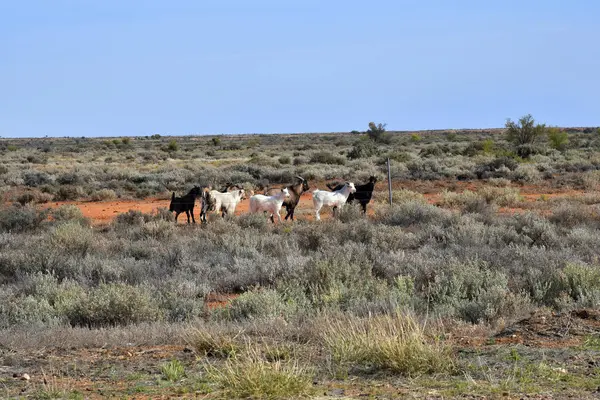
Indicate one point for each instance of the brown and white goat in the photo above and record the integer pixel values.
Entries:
(291, 202)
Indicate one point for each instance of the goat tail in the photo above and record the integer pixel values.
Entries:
(172, 202)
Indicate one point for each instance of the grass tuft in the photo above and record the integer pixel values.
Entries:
(394, 342)
(251, 376)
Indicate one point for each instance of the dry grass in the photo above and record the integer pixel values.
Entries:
(394, 342)
(250, 375)
(213, 344)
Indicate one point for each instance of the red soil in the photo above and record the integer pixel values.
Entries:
(105, 211)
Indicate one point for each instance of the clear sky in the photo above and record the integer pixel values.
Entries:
(127, 67)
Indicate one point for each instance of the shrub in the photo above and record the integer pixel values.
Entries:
(415, 138)
(72, 238)
(524, 134)
(390, 342)
(300, 160)
(325, 157)
(70, 178)
(363, 149)
(558, 138)
(285, 160)
(377, 133)
(111, 305)
(68, 212)
(583, 284)
(453, 199)
(487, 146)
(26, 198)
(526, 173)
(569, 215)
(173, 145)
(35, 179)
(258, 304)
(20, 219)
(504, 197)
(411, 213)
(104, 194)
(68, 192)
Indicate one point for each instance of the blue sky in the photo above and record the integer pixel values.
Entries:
(127, 68)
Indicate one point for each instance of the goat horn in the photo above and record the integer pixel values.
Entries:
(299, 177)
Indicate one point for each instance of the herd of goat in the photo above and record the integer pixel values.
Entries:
(225, 201)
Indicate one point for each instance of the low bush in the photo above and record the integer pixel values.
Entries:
(103, 194)
(111, 305)
(325, 157)
(21, 219)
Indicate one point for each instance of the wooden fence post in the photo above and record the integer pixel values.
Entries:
(389, 180)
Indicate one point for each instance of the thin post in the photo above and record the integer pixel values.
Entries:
(389, 180)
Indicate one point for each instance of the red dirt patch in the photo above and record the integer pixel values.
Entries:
(218, 300)
(105, 211)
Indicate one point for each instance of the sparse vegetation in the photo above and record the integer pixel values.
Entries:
(480, 235)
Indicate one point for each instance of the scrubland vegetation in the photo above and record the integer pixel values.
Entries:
(376, 298)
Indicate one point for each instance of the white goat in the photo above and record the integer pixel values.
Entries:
(336, 199)
(271, 204)
(226, 202)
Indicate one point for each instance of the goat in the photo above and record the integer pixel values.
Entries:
(185, 203)
(271, 204)
(208, 203)
(226, 202)
(295, 194)
(336, 199)
(363, 192)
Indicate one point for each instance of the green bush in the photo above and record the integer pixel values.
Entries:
(173, 145)
(377, 133)
(558, 139)
(524, 134)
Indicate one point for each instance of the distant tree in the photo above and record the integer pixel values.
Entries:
(377, 132)
(216, 141)
(524, 134)
(558, 139)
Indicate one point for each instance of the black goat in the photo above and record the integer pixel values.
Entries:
(185, 203)
(362, 195)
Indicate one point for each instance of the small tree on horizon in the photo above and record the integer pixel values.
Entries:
(377, 132)
(558, 139)
(524, 134)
